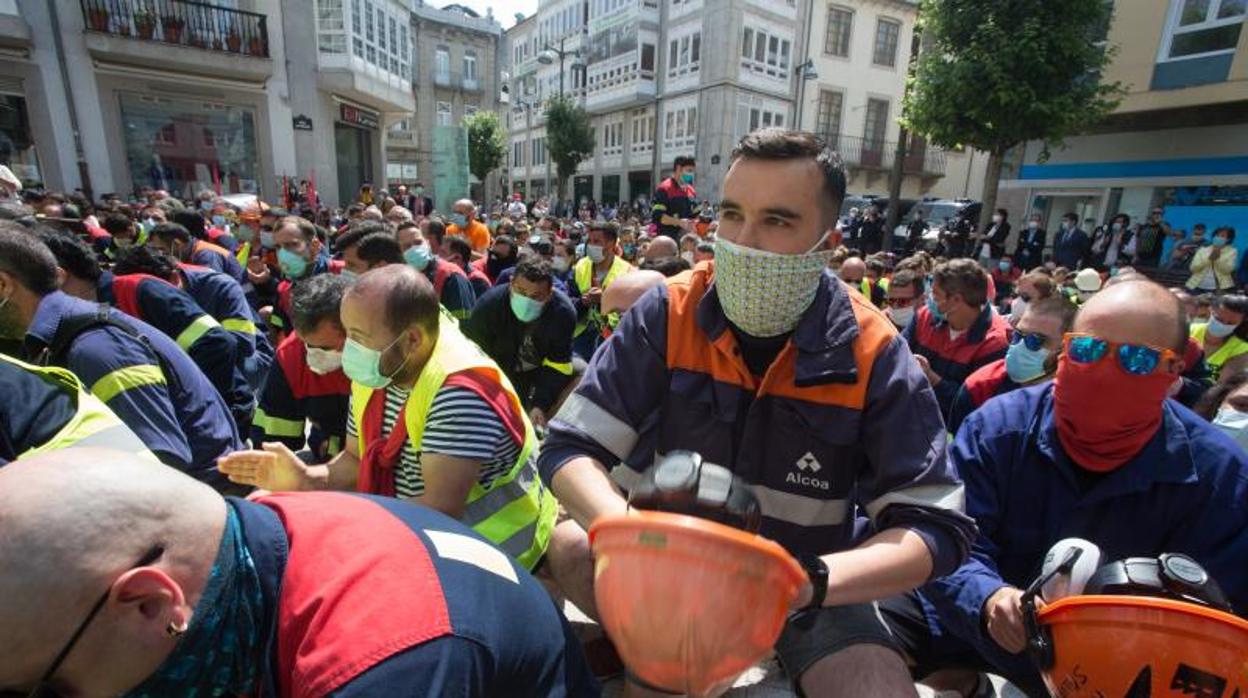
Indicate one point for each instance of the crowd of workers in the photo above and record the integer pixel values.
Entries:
(918, 428)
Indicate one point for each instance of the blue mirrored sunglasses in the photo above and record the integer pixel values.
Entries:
(1034, 342)
(1136, 359)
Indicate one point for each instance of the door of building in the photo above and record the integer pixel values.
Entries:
(354, 149)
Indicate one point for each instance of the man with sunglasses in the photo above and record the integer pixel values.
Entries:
(143, 582)
(1031, 358)
(1099, 454)
(905, 296)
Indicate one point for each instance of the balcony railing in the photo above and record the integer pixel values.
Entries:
(195, 24)
(876, 154)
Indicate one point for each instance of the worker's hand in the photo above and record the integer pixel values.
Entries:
(537, 417)
(805, 593)
(927, 369)
(593, 296)
(275, 468)
(1215, 253)
(1003, 615)
(257, 271)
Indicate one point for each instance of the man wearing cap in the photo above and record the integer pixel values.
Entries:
(769, 366)
(1088, 282)
(1099, 454)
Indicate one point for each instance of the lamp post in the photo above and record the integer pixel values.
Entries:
(802, 73)
(547, 56)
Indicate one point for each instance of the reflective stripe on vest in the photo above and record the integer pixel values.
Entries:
(583, 276)
(244, 253)
(93, 424)
(1231, 347)
(517, 513)
(194, 331)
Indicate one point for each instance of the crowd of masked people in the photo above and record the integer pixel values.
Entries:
(968, 407)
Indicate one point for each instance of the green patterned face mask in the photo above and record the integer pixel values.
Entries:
(764, 293)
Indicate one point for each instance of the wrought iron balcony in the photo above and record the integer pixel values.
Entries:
(877, 154)
(180, 22)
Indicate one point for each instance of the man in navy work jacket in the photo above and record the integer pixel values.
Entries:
(768, 365)
(295, 595)
(1099, 454)
(142, 375)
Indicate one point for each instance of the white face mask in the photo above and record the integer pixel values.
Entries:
(687, 256)
(1233, 423)
(559, 264)
(595, 253)
(901, 317)
(322, 361)
(1017, 308)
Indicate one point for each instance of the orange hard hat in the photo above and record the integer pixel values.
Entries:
(1143, 646)
(689, 603)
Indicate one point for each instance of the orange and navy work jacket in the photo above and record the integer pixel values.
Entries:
(842, 434)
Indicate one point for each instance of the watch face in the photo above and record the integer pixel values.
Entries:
(1185, 569)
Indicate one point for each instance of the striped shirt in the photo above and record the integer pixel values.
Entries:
(460, 424)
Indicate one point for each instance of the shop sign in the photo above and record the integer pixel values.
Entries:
(302, 123)
(358, 117)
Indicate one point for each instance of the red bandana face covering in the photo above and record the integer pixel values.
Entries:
(1104, 415)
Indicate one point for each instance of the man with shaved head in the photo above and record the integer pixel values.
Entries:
(621, 295)
(1099, 454)
(854, 273)
(465, 224)
(144, 582)
(661, 248)
(432, 419)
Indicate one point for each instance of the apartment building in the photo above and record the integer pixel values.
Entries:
(1178, 140)
(455, 74)
(656, 85)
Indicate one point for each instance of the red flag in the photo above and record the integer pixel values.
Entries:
(314, 200)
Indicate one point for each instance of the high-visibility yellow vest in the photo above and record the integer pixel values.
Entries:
(517, 513)
(1231, 347)
(583, 276)
(93, 424)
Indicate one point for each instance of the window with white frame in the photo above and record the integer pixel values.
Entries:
(1197, 28)
(684, 55)
(470, 69)
(681, 127)
(755, 112)
(331, 27)
(444, 114)
(613, 139)
(442, 65)
(643, 133)
(887, 33)
(765, 53)
(838, 32)
(378, 33)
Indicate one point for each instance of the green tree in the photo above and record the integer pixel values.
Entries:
(487, 143)
(569, 138)
(997, 73)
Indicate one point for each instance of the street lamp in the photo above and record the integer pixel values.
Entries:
(804, 72)
(547, 56)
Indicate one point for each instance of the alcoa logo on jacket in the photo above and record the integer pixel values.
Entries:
(808, 464)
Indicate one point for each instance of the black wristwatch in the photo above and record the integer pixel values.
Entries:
(817, 570)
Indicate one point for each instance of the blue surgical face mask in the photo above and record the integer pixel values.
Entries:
(293, 265)
(363, 365)
(218, 221)
(687, 178)
(526, 309)
(267, 240)
(459, 219)
(245, 232)
(1219, 241)
(418, 256)
(1219, 329)
(1003, 266)
(934, 310)
(1024, 365)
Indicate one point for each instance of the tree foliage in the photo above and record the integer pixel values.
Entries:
(996, 73)
(569, 137)
(487, 143)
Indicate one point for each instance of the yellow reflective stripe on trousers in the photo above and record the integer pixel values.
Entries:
(239, 325)
(123, 379)
(195, 330)
(277, 426)
(564, 368)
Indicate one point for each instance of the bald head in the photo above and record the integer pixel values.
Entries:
(466, 207)
(626, 289)
(404, 296)
(1135, 312)
(662, 247)
(74, 523)
(853, 270)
